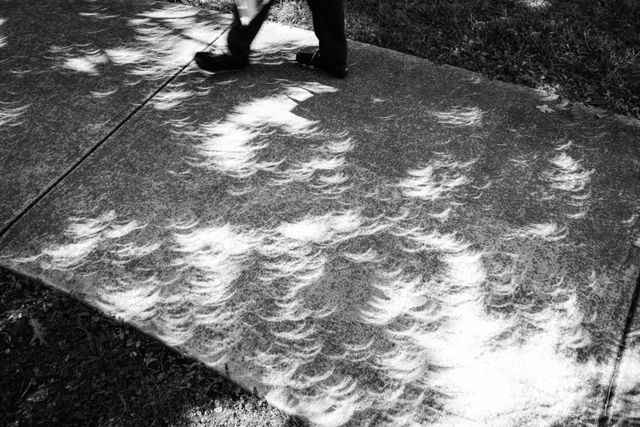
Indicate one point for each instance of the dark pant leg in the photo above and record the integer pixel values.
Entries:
(328, 24)
(241, 36)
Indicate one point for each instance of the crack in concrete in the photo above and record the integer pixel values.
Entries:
(605, 419)
(4, 230)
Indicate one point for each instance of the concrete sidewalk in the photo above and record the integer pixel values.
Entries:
(412, 245)
(72, 72)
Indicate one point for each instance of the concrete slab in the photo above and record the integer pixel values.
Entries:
(625, 405)
(413, 244)
(71, 71)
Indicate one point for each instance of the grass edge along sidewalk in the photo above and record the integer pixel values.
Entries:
(64, 363)
(585, 51)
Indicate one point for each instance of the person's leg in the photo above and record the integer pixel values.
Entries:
(241, 36)
(328, 24)
(238, 42)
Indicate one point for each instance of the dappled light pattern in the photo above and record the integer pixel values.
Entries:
(458, 116)
(88, 235)
(164, 40)
(10, 114)
(626, 407)
(568, 179)
(439, 178)
(174, 96)
(347, 293)
(3, 39)
(70, 72)
(535, 4)
(230, 146)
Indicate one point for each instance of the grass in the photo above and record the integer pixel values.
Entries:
(63, 363)
(586, 50)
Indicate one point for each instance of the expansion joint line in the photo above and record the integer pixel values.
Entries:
(605, 417)
(93, 149)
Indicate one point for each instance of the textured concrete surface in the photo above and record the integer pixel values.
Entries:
(71, 71)
(413, 244)
(625, 403)
(625, 406)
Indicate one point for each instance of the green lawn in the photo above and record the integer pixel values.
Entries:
(587, 50)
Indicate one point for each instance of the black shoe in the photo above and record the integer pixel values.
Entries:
(313, 60)
(220, 62)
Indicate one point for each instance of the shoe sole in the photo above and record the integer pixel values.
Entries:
(340, 75)
(204, 68)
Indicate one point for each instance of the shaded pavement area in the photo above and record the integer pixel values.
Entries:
(411, 245)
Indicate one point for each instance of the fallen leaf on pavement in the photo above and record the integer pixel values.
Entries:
(38, 332)
(545, 109)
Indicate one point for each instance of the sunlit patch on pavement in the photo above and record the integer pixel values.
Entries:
(165, 39)
(348, 294)
(10, 114)
(3, 39)
(460, 116)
